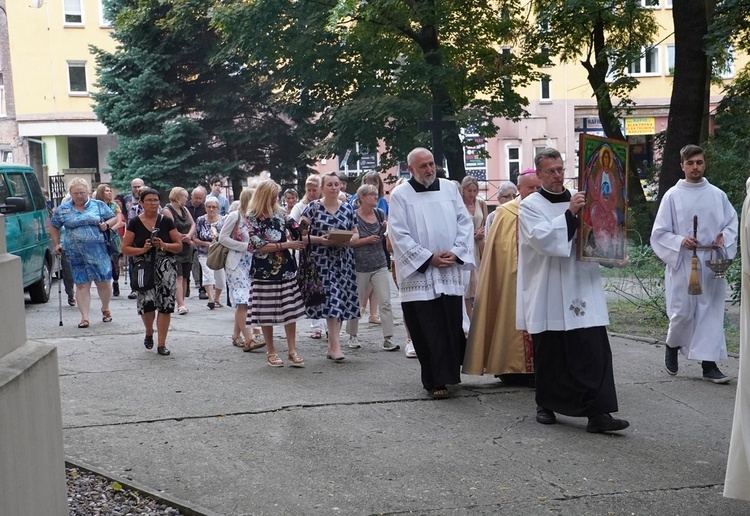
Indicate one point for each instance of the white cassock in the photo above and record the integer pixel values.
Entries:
(421, 224)
(555, 291)
(737, 482)
(696, 323)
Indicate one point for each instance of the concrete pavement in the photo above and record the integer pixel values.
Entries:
(216, 427)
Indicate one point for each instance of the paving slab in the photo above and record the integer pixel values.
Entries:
(215, 426)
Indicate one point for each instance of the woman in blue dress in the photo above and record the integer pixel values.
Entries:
(334, 261)
(85, 221)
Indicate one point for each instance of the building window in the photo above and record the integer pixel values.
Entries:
(727, 72)
(670, 59)
(668, 4)
(514, 162)
(103, 21)
(77, 77)
(545, 88)
(3, 112)
(73, 11)
(648, 64)
(652, 4)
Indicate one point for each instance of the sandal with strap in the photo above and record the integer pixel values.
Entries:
(274, 360)
(84, 323)
(316, 334)
(106, 316)
(238, 341)
(296, 360)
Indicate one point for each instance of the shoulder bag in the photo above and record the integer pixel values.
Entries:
(217, 253)
(143, 271)
(310, 284)
(110, 240)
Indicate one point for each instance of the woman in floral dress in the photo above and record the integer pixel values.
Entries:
(276, 298)
(234, 235)
(334, 261)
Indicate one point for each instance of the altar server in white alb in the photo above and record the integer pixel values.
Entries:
(433, 241)
(696, 322)
(560, 303)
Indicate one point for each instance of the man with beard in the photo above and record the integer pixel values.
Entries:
(432, 238)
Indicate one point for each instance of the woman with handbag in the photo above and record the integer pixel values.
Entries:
(234, 235)
(85, 220)
(207, 229)
(153, 238)
(276, 298)
(185, 225)
(334, 261)
(104, 194)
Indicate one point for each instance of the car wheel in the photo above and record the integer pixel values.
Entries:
(40, 290)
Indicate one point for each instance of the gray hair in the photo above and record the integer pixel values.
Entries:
(506, 185)
(546, 153)
(414, 152)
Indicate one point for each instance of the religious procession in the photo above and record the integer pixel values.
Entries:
(504, 294)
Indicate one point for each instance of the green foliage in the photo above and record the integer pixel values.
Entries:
(182, 115)
(728, 151)
(641, 283)
(367, 72)
(604, 35)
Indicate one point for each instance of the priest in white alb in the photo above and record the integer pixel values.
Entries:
(560, 302)
(432, 237)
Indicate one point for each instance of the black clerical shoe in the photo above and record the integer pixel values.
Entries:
(605, 423)
(670, 359)
(545, 417)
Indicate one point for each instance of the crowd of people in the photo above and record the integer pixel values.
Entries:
(502, 294)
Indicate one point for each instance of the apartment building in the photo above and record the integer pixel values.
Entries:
(48, 96)
(562, 106)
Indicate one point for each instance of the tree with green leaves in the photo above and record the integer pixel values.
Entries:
(729, 154)
(688, 107)
(182, 115)
(605, 36)
(364, 72)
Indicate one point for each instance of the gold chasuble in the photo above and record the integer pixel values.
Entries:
(495, 346)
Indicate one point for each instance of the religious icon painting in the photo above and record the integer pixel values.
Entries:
(603, 173)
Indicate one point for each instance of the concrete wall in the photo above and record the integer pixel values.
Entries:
(32, 462)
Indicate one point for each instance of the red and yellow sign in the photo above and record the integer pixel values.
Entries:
(636, 126)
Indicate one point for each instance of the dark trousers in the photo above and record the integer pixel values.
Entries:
(439, 340)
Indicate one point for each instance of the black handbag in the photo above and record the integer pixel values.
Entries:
(310, 284)
(143, 272)
(112, 250)
(110, 240)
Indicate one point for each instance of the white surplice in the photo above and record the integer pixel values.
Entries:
(737, 482)
(696, 323)
(555, 291)
(421, 224)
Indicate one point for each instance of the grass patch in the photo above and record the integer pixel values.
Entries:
(624, 317)
(627, 318)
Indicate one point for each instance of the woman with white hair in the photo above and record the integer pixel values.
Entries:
(207, 229)
(85, 220)
(506, 191)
